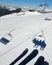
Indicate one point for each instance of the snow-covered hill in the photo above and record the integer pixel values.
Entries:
(23, 29)
(5, 10)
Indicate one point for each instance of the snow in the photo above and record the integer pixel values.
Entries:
(24, 28)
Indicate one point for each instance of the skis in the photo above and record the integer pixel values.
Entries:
(18, 58)
(39, 61)
(45, 63)
(29, 57)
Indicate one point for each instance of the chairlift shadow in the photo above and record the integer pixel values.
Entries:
(40, 42)
(6, 39)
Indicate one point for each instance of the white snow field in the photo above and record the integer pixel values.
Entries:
(23, 28)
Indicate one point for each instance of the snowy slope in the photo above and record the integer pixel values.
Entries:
(24, 28)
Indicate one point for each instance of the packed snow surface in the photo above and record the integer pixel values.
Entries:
(23, 28)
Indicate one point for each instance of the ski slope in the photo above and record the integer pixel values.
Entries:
(23, 29)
